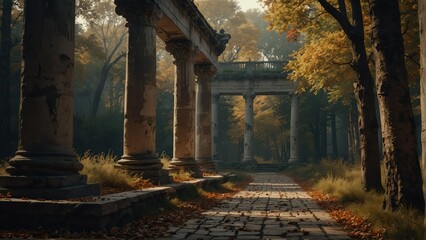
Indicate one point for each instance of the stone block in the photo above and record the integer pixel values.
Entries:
(79, 191)
(42, 181)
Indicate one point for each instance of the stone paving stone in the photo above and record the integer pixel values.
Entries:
(222, 234)
(272, 207)
(199, 237)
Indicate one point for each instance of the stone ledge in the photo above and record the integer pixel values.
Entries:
(101, 213)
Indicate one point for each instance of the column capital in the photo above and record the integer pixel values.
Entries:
(249, 96)
(204, 71)
(182, 50)
(138, 12)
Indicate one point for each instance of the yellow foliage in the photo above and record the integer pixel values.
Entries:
(324, 64)
(227, 15)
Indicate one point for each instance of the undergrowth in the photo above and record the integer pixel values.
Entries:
(3, 166)
(182, 175)
(100, 169)
(342, 181)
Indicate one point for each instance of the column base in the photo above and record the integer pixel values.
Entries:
(248, 164)
(146, 167)
(48, 187)
(187, 164)
(207, 165)
(295, 161)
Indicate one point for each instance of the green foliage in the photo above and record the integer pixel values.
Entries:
(101, 134)
(164, 127)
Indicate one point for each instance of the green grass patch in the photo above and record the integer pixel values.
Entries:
(343, 181)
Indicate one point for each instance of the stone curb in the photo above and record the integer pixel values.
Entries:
(101, 213)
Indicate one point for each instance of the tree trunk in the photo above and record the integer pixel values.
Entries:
(363, 91)
(403, 180)
(367, 120)
(98, 91)
(351, 137)
(323, 133)
(333, 132)
(422, 26)
(5, 47)
(315, 129)
(100, 88)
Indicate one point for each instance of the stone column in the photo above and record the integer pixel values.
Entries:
(248, 161)
(203, 122)
(184, 109)
(45, 165)
(294, 131)
(215, 130)
(139, 152)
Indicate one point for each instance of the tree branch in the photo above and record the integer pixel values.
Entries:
(344, 22)
(342, 8)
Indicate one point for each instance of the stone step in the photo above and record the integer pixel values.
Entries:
(268, 168)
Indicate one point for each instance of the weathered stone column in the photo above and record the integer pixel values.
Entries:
(248, 161)
(45, 165)
(139, 152)
(294, 131)
(203, 122)
(184, 110)
(215, 130)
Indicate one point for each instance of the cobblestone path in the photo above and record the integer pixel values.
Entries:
(271, 207)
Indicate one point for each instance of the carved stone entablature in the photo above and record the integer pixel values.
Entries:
(182, 50)
(138, 12)
(204, 71)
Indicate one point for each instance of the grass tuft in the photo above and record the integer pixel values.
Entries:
(3, 166)
(182, 175)
(100, 169)
(165, 160)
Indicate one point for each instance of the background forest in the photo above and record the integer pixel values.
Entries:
(318, 53)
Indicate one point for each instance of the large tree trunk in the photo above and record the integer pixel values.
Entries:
(422, 31)
(5, 46)
(367, 120)
(403, 180)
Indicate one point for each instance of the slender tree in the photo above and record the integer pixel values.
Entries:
(403, 175)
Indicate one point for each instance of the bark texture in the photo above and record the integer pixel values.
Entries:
(422, 25)
(403, 180)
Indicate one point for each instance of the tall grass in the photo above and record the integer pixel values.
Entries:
(100, 169)
(3, 166)
(343, 181)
